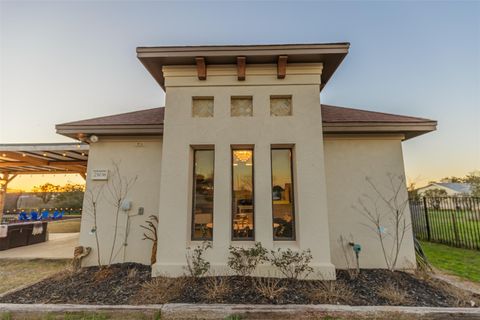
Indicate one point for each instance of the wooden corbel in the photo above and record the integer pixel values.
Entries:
(241, 65)
(201, 68)
(282, 67)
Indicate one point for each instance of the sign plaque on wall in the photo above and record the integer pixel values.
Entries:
(100, 174)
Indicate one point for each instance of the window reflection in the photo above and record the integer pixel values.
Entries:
(242, 195)
(282, 195)
(203, 195)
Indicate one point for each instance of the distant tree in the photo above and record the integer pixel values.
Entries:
(435, 197)
(70, 196)
(47, 191)
(473, 178)
(452, 179)
(412, 191)
(433, 193)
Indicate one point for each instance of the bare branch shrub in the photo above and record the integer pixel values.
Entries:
(269, 288)
(243, 261)
(292, 264)
(103, 274)
(151, 234)
(459, 297)
(92, 203)
(330, 291)
(197, 266)
(393, 210)
(216, 288)
(160, 290)
(114, 191)
(394, 295)
(348, 256)
(132, 273)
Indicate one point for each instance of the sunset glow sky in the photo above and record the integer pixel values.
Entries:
(66, 61)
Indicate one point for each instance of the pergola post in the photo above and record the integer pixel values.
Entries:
(4, 180)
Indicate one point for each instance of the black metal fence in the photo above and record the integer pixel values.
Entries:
(454, 221)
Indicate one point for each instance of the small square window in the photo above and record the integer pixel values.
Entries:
(241, 107)
(281, 106)
(202, 107)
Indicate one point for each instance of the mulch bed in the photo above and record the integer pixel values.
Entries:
(122, 284)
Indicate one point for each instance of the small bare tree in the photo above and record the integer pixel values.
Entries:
(151, 234)
(113, 192)
(383, 209)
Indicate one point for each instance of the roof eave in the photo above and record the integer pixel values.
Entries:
(410, 130)
(330, 54)
(81, 132)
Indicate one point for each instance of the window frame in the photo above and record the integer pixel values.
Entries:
(232, 209)
(192, 231)
(292, 172)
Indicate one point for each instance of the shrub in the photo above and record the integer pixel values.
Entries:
(334, 291)
(292, 264)
(269, 288)
(160, 290)
(394, 295)
(216, 288)
(245, 260)
(458, 297)
(197, 266)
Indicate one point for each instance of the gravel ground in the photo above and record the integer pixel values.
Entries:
(122, 284)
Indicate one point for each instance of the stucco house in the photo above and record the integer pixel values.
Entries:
(243, 152)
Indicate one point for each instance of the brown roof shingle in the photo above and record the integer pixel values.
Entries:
(152, 116)
(334, 114)
(330, 114)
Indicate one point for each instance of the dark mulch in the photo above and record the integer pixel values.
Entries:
(86, 286)
(121, 285)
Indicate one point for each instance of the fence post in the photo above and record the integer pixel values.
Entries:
(426, 218)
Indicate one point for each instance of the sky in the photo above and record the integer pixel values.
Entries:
(65, 60)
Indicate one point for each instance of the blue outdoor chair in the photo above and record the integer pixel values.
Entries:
(60, 216)
(34, 215)
(45, 215)
(56, 214)
(23, 216)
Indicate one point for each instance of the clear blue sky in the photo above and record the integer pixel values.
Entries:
(64, 61)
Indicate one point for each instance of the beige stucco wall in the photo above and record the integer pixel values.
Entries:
(348, 161)
(303, 130)
(136, 157)
(329, 174)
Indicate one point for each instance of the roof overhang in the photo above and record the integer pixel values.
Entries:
(409, 130)
(330, 54)
(82, 133)
(43, 158)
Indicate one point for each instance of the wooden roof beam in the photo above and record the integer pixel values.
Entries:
(48, 163)
(201, 68)
(282, 67)
(241, 66)
(14, 164)
(26, 172)
(25, 158)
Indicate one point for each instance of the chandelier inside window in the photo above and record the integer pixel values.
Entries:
(243, 155)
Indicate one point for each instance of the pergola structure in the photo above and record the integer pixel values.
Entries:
(40, 158)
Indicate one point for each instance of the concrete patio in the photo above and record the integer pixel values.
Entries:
(59, 246)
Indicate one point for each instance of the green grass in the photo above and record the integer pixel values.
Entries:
(64, 226)
(461, 228)
(460, 262)
(18, 272)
